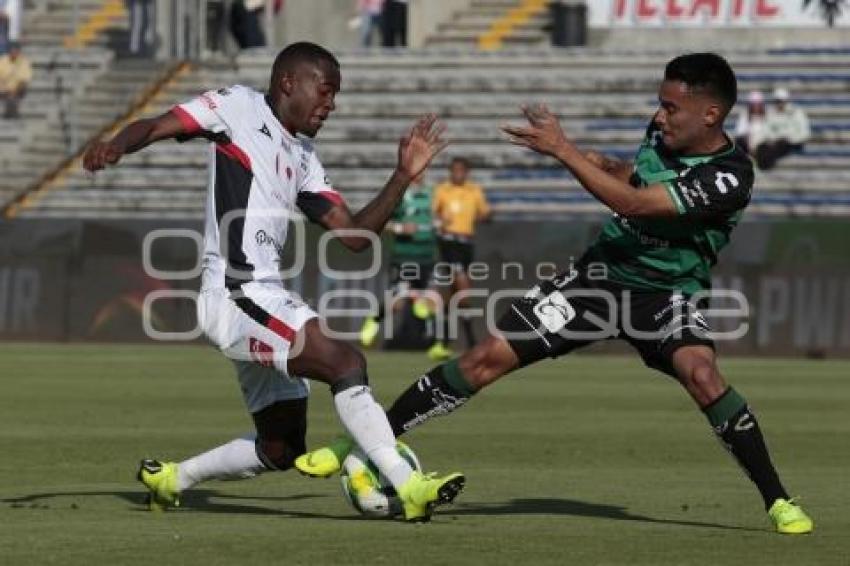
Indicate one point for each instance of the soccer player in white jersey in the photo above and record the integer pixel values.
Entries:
(262, 167)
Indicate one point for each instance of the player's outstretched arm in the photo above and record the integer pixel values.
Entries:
(543, 134)
(132, 138)
(416, 149)
(616, 167)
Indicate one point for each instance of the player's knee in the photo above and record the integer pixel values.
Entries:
(280, 454)
(704, 377)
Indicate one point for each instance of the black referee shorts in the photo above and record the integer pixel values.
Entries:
(407, 275)
(457, 253)
(571, 310)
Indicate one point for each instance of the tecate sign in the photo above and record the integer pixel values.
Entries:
(718, 13)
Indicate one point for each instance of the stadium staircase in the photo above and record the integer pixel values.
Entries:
(78, 89)
(604, 97)
(493, 24)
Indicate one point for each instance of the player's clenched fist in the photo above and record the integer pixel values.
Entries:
(100, 154)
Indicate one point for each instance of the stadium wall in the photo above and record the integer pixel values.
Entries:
(72, 280)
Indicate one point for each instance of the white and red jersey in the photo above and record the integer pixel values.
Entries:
(258, 174)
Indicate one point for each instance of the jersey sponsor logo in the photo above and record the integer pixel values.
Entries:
(265, 130)
(686, 194)
(701, 192)
(554, 312)
(261, 352)
(691, 192)
(263, 238)
(720, 181)
(645, 239)
(223, 91)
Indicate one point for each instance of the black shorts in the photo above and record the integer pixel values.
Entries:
(573, 310)
(407, 275)
(457, 253)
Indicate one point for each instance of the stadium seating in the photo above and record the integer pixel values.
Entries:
(604, 96)
(75, 92)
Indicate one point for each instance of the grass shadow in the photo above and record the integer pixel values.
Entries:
(194, 501)
(575, 508)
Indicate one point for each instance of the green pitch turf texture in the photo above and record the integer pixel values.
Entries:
(588, 460)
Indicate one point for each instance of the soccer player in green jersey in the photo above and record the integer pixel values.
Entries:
(412, 254)
(674, 209)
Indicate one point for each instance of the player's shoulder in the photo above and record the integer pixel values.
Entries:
(237, 91)
(235, 97)
(735, 160)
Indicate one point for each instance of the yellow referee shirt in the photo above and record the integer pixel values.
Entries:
(459, 206)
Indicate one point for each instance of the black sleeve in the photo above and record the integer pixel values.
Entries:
(712, 189)
(314, 205)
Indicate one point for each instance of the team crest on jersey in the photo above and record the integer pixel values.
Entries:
(209, 101)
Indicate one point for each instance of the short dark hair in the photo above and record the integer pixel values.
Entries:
(301, 52)
(462, 160)
(708, 72)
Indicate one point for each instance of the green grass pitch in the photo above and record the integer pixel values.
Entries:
(583, 461)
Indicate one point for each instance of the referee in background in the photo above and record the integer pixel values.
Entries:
(458, 205)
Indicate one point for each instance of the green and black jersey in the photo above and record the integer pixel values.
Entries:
(710, 193)
(420, 246)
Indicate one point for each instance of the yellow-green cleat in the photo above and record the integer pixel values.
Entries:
(369, 332)
(439, 352)
(326, 461)
(421, 493)
(161, 480)
(789, 518)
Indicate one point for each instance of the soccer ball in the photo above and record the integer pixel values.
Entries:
(366, 488)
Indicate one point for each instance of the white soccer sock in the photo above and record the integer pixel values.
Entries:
(367, 424)
(236, 460)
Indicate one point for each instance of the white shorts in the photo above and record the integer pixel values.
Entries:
(256, 328)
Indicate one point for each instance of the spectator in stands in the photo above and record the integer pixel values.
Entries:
(394, 23)
(751, 129)
(245, 23)
(15, 76)
(142, 27)
(4, 25)
(788, 129)
(370, 19)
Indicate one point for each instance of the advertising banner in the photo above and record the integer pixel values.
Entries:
(787, 282)
(718, 13)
